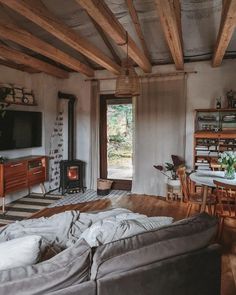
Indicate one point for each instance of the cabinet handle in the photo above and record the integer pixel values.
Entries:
(38, 172)
(15, 165)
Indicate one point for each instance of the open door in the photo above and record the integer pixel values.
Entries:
(116, 140)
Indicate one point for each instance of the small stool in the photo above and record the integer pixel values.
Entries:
(174, 192)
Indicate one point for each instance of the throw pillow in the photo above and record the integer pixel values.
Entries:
(20, 252)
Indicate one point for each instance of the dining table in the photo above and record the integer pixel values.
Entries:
(206, 180)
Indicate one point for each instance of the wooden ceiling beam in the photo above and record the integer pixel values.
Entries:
(38, 14)
(226, 30)
(19, 67)
(169, 12)
(27, 60)
(137, 26)
(102, 15)
(26, 39)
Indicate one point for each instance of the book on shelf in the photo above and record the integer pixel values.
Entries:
(213, 154)
(201, 161)
(202, 153)
(212, 148)
(204, 168)
(201, 147)
(202, 164)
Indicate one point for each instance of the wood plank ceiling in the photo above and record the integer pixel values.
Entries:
(33, 53)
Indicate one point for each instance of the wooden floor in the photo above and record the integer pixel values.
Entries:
(154, 206)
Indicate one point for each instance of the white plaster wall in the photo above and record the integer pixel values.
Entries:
(77, 85)
(45, 89)
(12, 76)
(202, 89)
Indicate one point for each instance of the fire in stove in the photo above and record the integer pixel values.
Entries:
(73, 173)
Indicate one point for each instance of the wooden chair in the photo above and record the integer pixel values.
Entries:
(193, 198)
(215, 167)
(226, 203)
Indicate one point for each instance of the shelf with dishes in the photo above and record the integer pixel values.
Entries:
(215, 120)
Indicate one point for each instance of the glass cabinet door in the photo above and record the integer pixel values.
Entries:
(208, 121)
(228, 121)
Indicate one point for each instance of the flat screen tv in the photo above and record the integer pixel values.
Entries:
(20, 129)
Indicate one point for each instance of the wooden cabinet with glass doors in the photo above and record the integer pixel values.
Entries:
(215, 132)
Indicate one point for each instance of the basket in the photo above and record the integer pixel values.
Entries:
(103, 186)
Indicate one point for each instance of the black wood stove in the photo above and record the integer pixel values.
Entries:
(72, 171)
(72, 174)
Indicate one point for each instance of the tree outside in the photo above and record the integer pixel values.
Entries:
(119, 134)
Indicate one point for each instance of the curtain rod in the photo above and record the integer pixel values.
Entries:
(146, 76)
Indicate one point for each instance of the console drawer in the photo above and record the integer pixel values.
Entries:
(15, 183)
(36, 176)
(14, 169)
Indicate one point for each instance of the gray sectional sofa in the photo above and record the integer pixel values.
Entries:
(178, 259)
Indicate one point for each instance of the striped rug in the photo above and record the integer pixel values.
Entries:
(26, 207)
(88, 196)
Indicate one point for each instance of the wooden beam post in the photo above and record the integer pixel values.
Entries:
(102, 14)
(38, 14)
(171, 23)
(226, 30)
(26, 39)
(24, 59)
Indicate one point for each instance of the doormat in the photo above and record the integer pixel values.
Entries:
(26, 207)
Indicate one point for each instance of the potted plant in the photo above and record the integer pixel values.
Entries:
(228, 160)
(170, 170)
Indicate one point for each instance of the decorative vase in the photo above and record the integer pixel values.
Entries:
(173, 182)
(230, 172)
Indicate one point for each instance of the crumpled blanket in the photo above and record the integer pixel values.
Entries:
(118, 227)
(60, 230)
(64, 229)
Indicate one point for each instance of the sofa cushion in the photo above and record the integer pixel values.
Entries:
(70, 267)
(20, 252)
(141, 249)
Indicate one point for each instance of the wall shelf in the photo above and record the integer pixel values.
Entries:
(209, 143)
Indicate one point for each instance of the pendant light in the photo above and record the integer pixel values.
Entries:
(127, 83)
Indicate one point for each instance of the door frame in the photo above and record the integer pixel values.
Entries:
(121, 184)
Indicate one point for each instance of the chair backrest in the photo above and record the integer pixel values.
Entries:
(226, 195)
(184, 181)
(216, 167)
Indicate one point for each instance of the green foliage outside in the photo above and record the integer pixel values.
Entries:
(119, 128)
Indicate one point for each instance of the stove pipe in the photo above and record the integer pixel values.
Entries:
(71, 130)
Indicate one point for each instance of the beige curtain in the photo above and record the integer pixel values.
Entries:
(94, 135)
(159, 131)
